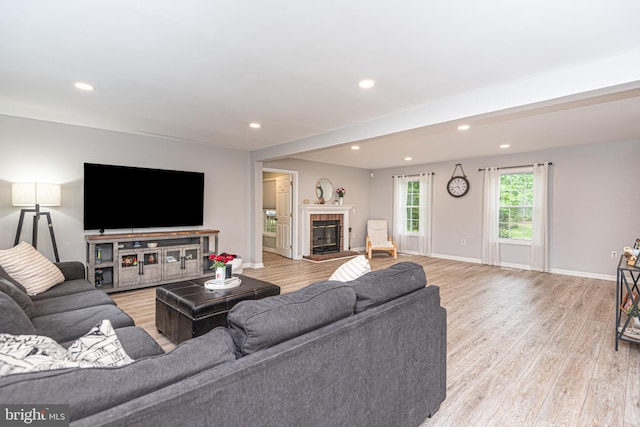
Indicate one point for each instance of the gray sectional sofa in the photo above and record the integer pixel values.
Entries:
(68, 311)
(368, 352)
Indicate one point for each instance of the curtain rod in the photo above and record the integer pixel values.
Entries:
(415, 174)
(515, 167)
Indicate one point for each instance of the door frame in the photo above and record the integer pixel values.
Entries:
(294, 210)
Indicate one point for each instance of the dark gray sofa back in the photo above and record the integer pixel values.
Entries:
(263, 323)
(380, 286)
(383, 367)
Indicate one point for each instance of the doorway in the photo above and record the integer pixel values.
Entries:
(279, 217)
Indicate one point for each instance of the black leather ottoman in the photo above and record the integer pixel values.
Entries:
(186, 309)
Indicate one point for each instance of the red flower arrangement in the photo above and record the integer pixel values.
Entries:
(219, 260)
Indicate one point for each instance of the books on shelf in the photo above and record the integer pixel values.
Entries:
(630, 332)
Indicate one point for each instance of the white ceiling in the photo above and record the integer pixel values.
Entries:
(534, 74)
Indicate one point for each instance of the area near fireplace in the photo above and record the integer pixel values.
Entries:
(330, 237)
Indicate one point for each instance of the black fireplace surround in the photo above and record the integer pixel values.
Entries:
(325, 238)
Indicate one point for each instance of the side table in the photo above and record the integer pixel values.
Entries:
(627, 293)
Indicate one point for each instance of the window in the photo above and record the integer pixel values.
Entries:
(516, 206)
(413, 207)
(269, 222)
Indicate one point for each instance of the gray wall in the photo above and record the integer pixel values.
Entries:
(355, 181)
(594, 207)
(32, 150)
(594, 196)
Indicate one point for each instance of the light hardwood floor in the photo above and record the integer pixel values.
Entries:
(524, 348)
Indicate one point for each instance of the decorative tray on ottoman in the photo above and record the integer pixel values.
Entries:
(222, 284)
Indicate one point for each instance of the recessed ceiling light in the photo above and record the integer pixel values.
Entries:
(83, 86)
(408, 158)
(505, 146)
(463, 127)
(355, 147)
(366, 84)
(255, 125)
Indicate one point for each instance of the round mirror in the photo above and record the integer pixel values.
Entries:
(324, 190)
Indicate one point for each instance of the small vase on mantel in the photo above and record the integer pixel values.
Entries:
(340, 200)
(221, 273)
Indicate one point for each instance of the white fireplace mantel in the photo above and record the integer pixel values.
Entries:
(305, 223)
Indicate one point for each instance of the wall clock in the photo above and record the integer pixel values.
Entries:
(458, 185)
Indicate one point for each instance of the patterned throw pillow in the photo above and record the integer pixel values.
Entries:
(352, 270)
(29, 353)
(100, 347)
(29, 267)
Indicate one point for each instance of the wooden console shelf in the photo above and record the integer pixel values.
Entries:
(120, 262)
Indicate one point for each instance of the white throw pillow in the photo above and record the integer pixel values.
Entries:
(100, 347)
(352, 270)
(30, 268)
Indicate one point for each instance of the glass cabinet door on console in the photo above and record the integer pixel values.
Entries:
(139, 267)
(182, 262)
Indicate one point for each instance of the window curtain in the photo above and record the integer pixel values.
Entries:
(540, 218)
(426, 212)
(400, 235)
(490, 217)
(399, 211)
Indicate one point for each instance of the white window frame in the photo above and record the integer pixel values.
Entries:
(407, 207)
(513, 241)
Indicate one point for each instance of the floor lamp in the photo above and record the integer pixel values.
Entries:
(36, 194)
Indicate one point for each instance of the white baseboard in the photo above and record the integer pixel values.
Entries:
(252, 265)
(527, 267)
(515, 266)
(584, 274)
(457, 258)
(269, 249)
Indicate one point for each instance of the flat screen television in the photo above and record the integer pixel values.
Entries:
(131, 197)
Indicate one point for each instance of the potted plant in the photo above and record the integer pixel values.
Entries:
(341, 191)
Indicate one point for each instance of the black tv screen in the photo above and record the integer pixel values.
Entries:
(130, 197)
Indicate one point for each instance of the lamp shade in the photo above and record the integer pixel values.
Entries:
(32, 193)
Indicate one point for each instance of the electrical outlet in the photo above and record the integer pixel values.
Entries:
(464, 242)
(614, 254)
